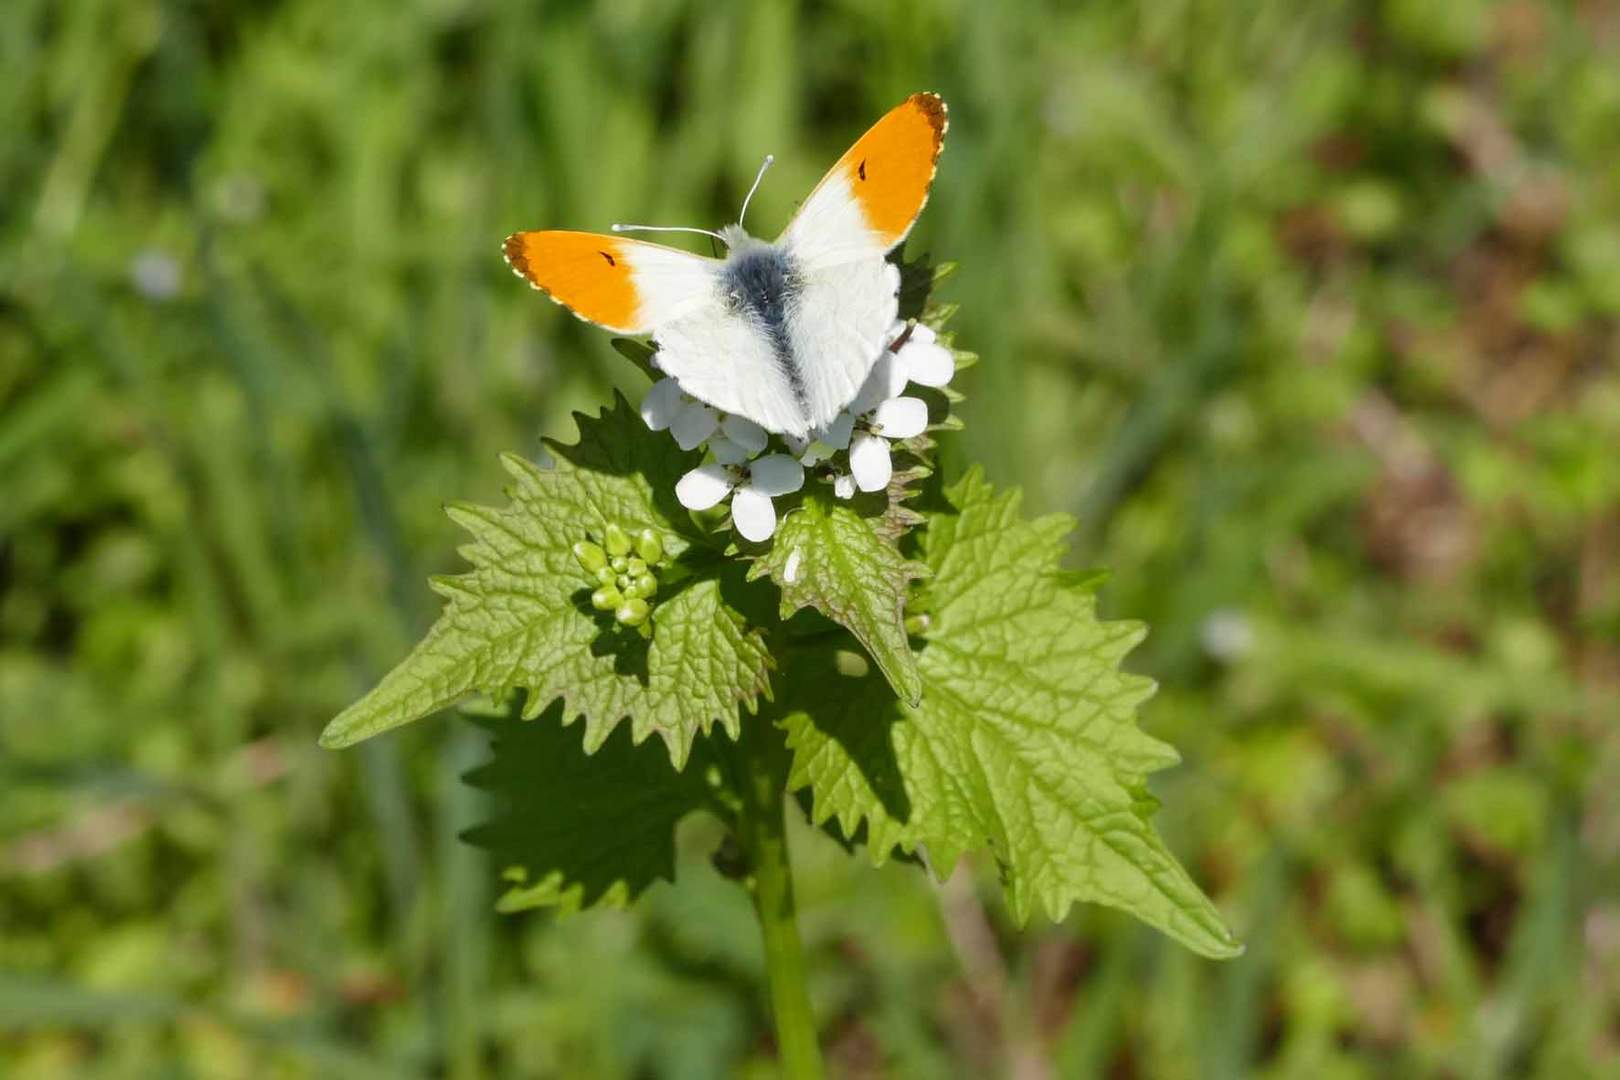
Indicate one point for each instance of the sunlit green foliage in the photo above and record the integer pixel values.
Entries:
(1306, 312)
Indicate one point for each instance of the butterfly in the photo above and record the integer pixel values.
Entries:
(782, 332)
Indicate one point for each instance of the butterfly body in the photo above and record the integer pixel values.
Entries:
(782, 332)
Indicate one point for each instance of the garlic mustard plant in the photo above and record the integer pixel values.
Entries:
(658, 622)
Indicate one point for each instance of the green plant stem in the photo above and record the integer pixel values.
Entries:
(762, 830)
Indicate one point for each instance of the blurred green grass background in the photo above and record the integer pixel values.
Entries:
(1308, 312)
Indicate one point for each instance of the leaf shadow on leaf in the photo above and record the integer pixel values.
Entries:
(850, 842)
(869, 504)
(601, 449)
(573, 829)
(628, 648)
(859, 712)
(756, 601)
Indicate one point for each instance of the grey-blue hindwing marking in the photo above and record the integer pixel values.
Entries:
(763, 285)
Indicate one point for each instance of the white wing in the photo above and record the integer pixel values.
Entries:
(839, 329)
(721, 357)
(836, 327)
(784, 344)
(670, 283)
(830, 228)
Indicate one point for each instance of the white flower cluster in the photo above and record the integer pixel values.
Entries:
(862, 433)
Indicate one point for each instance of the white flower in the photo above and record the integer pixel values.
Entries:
(740, 439)
(883, 414)
(688, 419)
(751, 486)
(897, 418)
(922, 359)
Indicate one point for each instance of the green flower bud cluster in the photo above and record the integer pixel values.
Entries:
(624, 572)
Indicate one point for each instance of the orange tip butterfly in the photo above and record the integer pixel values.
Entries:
(782, 332)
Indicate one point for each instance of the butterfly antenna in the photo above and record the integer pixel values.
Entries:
(770, 159)
(618, 228)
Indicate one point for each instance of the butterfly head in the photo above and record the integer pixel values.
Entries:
(737, 239)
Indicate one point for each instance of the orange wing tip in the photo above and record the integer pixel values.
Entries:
(512, 248)
(518, 263)
(936, 112)
(904, 147)
(551, 263)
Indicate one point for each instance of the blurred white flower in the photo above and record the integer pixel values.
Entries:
(1227, 635)
(751, 486)
(155, 275)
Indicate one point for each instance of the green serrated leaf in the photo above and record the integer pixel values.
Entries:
(521, 618)
(571, 831)
(911, 466)
(828, 557)
(1025, 739)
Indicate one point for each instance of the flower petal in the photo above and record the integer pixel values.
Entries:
(836, 435)
(844, 486)
(869, 461)
(694, 423)
(703, 486)
(661, 403)
(918, 332)
(752, 514)
(727, 452)
(900, 418)
(926, 363)
(886, 381)
(745, 433)
(776, 474)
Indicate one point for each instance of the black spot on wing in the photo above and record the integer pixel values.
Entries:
(862, 169)
(608, 257)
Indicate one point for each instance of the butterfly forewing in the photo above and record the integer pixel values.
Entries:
(869, 200)
(629, 286)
